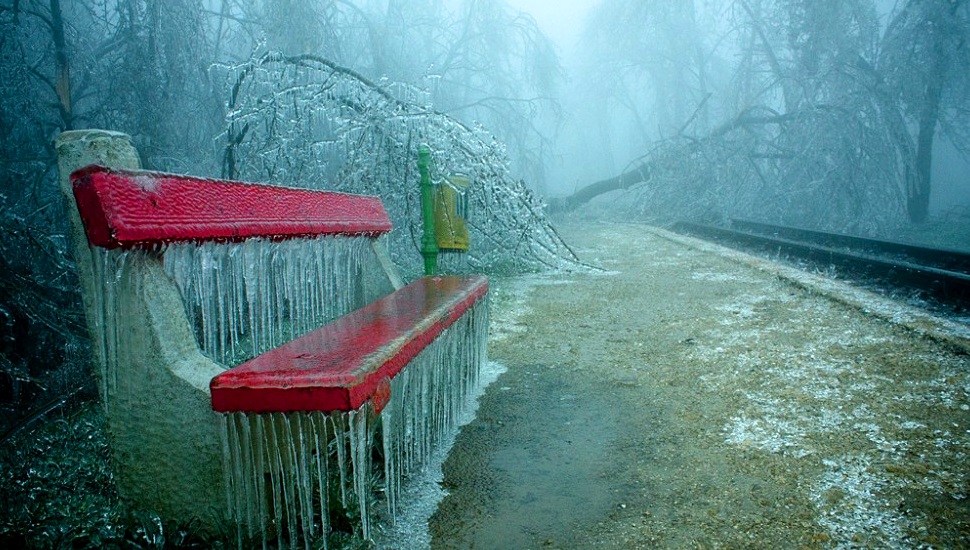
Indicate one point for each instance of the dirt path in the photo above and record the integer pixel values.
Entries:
(687, 400)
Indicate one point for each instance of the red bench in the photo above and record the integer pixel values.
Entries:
(160, 390)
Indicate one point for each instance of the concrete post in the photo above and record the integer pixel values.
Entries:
(165, 439)
(77, 149)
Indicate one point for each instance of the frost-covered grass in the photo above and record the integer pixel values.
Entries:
(57, 491)
(749, 408)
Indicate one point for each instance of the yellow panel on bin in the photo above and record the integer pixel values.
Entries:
(450, 212)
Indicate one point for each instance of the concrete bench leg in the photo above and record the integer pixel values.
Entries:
(165, 439)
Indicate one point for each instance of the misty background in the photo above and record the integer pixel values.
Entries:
(844, 115)
(641, 73)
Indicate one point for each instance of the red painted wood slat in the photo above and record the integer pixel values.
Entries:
(349, 361)
(143, 209)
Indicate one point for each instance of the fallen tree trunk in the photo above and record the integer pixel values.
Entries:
(625, 180)
(754, 116)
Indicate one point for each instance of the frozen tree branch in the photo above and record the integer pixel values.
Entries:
(306, 121)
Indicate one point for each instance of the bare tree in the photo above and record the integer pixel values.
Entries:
(651, 59)
(925, 63)
(833, 123)
(129, 65)
(493, 66)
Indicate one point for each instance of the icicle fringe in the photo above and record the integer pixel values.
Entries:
(288, 474)
(250, 297)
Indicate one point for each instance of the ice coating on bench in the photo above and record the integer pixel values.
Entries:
(241, 299)
(426, 405)
(437, 327)
(247, 298)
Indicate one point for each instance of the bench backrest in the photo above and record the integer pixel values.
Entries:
(256, 265)
(124, 208)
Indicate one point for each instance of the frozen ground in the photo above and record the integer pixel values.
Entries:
(695, 397)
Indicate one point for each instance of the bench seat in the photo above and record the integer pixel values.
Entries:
(350, 360)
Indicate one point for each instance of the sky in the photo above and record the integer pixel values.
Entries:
(560, 20)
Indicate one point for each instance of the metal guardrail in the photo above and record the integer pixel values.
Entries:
(942, 275)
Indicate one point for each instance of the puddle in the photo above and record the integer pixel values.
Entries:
(542, 479)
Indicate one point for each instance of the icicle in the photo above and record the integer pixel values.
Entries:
(321, 457)
(278, 473)
(360, 445)
(114, 301)
(429, 397)
(339, 434)
(246, 298)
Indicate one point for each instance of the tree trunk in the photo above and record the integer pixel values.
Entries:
(62, 67)
(918, 201)
(918, 198)
(641, 173)
(623, 181)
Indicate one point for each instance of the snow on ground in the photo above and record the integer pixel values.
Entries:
(881, 409)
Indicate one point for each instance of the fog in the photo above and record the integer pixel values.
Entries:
(755, 108)
(562, 22)
(841, 115)
(639, 77)
(678, 73)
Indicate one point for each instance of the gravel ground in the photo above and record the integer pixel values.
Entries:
(690, 397)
